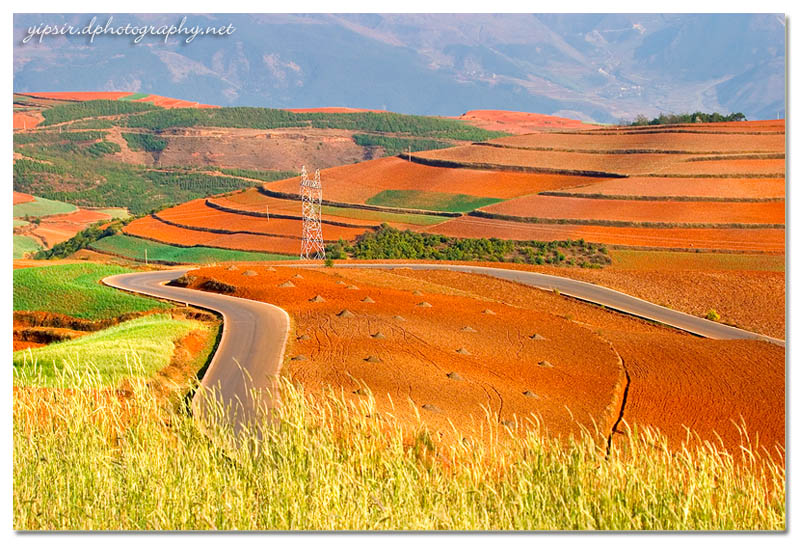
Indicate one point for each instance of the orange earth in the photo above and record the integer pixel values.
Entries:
(359, 182)
(758, 240)
(27, 120)
(682, 188)
(164, 102)
(591, 140)
(471, 350)
(520, 122)
(566, 208)
(20, 198)
(58, 228)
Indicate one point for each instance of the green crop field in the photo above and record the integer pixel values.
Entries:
(75, 290)
(20, 223)
(137, 347)
(42, 207)
(134, 96)
(388, 217)
(24, 245)
(134, 248)
(430, 200)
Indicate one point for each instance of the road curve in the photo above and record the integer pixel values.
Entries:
(250, 351)
(254, 334)
(594, 294)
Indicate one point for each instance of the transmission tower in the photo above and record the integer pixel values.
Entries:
(312, 246)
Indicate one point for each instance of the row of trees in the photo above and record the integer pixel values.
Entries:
(390, 243)
(696, 117)
(92, 108)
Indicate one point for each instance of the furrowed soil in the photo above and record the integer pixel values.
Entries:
(683, 188)
(20, 198)
(55, 229)
(198, 214)
(588, 140)
(424, 361)
(758, 240)
(641, 211)
(676, 379)
(519, 122)
(150, 228)
(357, 183)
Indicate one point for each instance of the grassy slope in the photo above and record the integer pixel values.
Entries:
(430, 200)
(75, 290)
(42, 207)
(331, 465)
(137, 347)
(24, 245)
(133, 248)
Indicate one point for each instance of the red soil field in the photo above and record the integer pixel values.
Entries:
(152, 229)
(359, 182)
(418, 358)
(164, 102)
(728, 188)
(727, 143)
(622, 164)
(20, 198)
(751, 299)
(712, 385)
(55, 229)
(676, 379)
(519, 122)
(728, 126)
(729, 166)
(197, 214)
(27, 120)
(755, 240)
(81, 96)
(573, 208)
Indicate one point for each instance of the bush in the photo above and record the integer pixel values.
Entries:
(713, 315)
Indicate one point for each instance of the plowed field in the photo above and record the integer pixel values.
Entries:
(20, 198)
(56, 229)
(728, 167)
(400, 350)
(357, 183)
(152, 229)
(520, 122)
(197, 214)
(759, 240)
(27, 120)
(722, 188)
(642, 163)
(426, 357)
(728, 143)
(641, 211)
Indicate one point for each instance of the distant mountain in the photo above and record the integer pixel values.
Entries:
(593, 67)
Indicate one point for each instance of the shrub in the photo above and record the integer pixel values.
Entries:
(713, 315)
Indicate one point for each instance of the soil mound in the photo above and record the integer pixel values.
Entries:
(424, 304)
(463, 351)
(372, 359)
(378, 335)
(454, 376)
(489, 311)
(537, 337)
(545, 363)
(345, 314)
(286, 284)
(467, 329)
(249, 273)
(367, 299)
(528, 393)
(317, 299)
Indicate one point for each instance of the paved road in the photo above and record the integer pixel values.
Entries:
(250, 351)
(596, 294)
(254, 335)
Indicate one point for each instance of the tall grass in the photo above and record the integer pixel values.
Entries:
(83, 460)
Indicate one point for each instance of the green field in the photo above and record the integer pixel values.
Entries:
(137, 347)
(430, 200)
(42, 207)
(134, 248)
(24, 245)
(75, 290)
(134, 96)
(388, 217)
(20, 223)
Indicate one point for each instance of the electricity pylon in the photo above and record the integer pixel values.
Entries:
(312, 246)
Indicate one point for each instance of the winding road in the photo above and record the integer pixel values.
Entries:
(254, 334)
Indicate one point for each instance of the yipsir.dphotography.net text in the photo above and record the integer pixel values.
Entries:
(138, 32)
